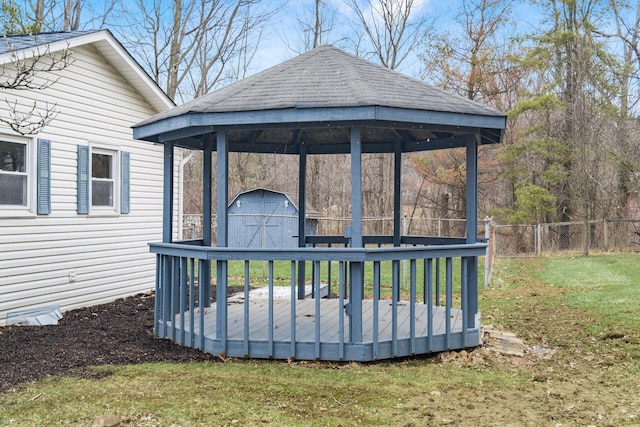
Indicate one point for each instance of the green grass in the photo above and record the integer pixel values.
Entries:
(595, 271)
(606, 285)
(585, 309)
(259, 275)
(250, 393)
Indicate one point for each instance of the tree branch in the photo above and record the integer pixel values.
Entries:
(30, 122)
(25, 72)
(31, 71)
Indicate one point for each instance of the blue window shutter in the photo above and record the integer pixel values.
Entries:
(44, 177)
(125, 194)
(83, 179)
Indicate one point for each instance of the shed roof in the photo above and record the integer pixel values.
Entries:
(31, 45)
(325, 88)
(310, 211)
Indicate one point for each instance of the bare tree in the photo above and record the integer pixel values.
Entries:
(32, 71)
(71, 13)
(389, 32)
(53, 15)
(36, 70)
(625, 154)
(191, 46)
(392, 29)
(474, 61)
(227, 45)
(315, 27)
(470, 61)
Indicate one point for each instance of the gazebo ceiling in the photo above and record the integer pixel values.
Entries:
(314, 99)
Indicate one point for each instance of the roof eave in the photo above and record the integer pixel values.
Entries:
(173, 128)
(122, 61)
(131, 70)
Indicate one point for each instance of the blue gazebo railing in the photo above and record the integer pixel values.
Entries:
(435, 311)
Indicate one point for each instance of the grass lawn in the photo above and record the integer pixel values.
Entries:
(259, 274)
(587, 309)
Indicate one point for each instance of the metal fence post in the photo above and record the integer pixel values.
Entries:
(488, 258)
(405, 230)
(585, 238)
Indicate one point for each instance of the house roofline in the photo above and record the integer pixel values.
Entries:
(112, 50)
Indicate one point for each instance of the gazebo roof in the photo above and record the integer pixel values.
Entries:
(318, 93)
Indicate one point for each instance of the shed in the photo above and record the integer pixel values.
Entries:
(262, 218)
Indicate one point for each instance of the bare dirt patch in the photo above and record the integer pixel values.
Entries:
(118, 333)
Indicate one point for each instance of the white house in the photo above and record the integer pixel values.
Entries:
(80, 200)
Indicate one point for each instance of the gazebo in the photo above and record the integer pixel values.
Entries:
(323, 102)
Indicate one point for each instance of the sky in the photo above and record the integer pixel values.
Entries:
(284, 30)
(285, 27)
(276, 38)
(275, 49)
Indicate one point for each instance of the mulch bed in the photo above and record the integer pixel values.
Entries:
(118, 333)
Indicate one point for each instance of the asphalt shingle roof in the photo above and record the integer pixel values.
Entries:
(328, 77)
(27, 41)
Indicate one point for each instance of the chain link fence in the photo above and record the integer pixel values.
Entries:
(514, 240)
(505, 240)
(440, 227)
(582, 237)
(335, 226)
(192, 226)
(508, 240)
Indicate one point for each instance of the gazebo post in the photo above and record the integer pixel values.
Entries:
(205, 287)
(222, 190)
(356, 269)
(302, 184)
(167, 200)
(472, 225)
(397, 195)
(167, 231)
(397, 207)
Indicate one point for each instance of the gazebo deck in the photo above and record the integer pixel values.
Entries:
(434, 310)
(319, 336)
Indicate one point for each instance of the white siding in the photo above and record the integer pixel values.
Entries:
(107, 255)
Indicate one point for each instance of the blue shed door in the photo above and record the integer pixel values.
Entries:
(266, 221)
(266, 228)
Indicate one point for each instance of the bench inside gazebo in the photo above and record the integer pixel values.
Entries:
(324, 102)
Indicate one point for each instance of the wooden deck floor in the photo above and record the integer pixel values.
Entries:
(321, 336)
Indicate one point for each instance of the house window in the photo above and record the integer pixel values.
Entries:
(103, 182)
(14, 173)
